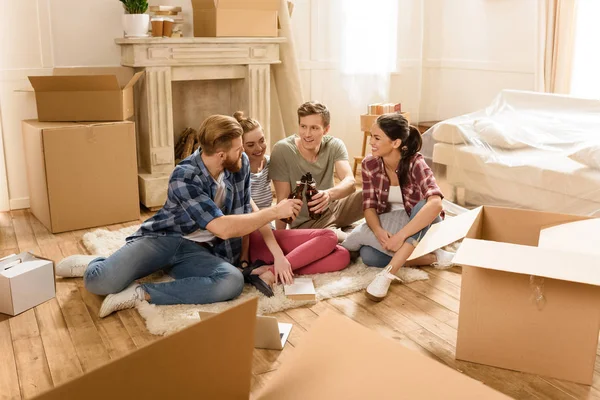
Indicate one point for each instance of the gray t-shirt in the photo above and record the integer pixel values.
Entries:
(288, 165)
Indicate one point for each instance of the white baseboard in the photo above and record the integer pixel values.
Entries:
(17, 204)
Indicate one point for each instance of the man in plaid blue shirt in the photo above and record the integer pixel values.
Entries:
(195, 237)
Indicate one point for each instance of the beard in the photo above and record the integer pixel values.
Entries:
(233, 165)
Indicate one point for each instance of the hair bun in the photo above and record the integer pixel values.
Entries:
(238, 115)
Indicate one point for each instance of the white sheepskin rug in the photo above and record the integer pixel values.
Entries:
(163, 320)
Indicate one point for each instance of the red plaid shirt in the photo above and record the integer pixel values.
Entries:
(376, 184)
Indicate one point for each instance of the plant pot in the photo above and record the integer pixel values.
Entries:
(136, 25)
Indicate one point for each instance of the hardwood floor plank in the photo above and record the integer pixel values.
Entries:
(136, 327)
(435, 294)
(87, 341)
(32, 366)
(443, 285)
(8, 238)
(452, 275)
(59, 349)
(9, 379)
(388, 314)
(425, 320)
(424, 303)
(115, 337)
(23, 231)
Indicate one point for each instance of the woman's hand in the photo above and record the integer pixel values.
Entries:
(395, 242)
(283, 271)
(382, 236)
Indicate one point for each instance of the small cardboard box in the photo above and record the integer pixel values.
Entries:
(235, 18)
(83, 97)
(529, 293)
(213, 360)
(81, 175)
(26, 280)
(367, 120)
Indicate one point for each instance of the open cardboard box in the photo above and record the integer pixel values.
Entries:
(337, 359)
(529, 294)
(222, 18)
(68, 95)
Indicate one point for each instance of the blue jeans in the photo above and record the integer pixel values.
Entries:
(375, 258)
(200, 276)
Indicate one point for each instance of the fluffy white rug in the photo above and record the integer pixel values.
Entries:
(163, 320)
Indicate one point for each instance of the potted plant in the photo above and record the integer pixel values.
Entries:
(135, 19)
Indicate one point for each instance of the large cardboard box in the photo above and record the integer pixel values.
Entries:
(83, 97)
(337, 359)
(81, 175)
(237, 18)
(26, 280)
(529, 294)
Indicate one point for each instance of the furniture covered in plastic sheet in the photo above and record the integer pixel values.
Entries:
(526, 150)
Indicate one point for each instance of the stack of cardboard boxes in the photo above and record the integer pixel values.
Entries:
(81, 152)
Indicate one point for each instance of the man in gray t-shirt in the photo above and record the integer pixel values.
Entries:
(312, 150)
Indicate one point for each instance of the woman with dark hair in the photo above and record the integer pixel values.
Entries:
(396, 178)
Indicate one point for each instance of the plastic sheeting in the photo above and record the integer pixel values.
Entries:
(526, 150)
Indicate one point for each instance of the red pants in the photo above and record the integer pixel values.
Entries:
(309, 251)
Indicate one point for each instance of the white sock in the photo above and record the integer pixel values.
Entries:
(444, 258)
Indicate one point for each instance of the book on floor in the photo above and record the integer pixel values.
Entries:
(301, 289)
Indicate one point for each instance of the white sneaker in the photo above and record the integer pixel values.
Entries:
(444, 259)
(73, 266)
(123, 300)
(378, 289)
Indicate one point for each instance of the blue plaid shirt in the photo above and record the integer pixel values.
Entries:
(190, 204)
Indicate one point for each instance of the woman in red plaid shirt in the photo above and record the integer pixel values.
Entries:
(397, 178)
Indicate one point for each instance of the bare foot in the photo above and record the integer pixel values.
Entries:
(260, 270)
(268, 277)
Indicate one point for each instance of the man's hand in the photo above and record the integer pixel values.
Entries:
(288, 208)
(395, 242)
(320, 202)
(382, 236)
(283, 271)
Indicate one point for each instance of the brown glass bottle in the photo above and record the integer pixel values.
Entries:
(296, 194)
(311, 190)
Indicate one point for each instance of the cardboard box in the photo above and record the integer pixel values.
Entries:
(26, 280)
(367, 120)
(529, 294)
(235, 18)
(337, 359)
(81, 175)
(83, 97)
(268, 334)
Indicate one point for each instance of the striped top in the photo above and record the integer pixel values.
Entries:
(260, 187)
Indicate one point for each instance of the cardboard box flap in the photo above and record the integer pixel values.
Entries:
(74, 83)
(448, 232)
(339, 359)
(529, 260)
(208, 360)
(133, 80)
(272, 5)
(579, 236)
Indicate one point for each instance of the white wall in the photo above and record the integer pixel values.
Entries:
(472, 49)
(453, 57)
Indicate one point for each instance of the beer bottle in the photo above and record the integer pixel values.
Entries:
(296, 194)
(311, 190)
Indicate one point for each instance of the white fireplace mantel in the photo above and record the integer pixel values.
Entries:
(246, 60)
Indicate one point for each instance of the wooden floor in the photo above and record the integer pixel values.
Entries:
(64, 338)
